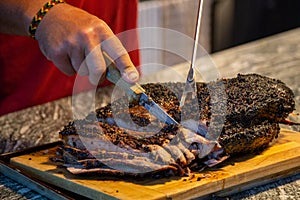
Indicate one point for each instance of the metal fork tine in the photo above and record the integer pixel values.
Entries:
(190, 86)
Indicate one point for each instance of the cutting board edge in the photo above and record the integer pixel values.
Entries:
(87, 192)
(228, 182)
(258, 182)
(51, 179)
(223, 189)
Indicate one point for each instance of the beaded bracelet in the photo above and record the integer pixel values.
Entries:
(40, 15)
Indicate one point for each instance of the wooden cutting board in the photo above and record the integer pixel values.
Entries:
(236, 174)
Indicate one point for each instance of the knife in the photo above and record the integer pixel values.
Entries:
(190, 85)
(136, 92)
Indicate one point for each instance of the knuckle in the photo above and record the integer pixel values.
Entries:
(56, 51)
(100, 26)
(95, 30)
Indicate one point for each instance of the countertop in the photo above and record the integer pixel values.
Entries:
(277, 56)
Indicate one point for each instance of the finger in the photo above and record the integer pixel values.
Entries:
(114, 48)
(63, 63)
(78, 61)
(103, 77)
(130, 74)
(95, 64)
(83, 69)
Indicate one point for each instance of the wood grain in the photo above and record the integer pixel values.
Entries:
(280, 159)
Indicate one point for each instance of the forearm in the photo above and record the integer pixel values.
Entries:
(16, 15)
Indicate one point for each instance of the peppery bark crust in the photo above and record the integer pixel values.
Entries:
(242, 113)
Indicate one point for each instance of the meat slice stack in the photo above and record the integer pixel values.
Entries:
(229, 117)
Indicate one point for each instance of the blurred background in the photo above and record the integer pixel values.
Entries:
(225, 23)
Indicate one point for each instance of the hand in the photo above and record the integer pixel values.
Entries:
(70, 38)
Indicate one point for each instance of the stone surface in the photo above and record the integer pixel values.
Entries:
(10, 189)
(277, 56)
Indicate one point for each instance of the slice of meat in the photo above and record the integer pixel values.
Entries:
(229, 117)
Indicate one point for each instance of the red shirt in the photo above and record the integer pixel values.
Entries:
(27, 78)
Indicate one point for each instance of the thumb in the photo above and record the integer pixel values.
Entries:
(116, 51)
(130, 74)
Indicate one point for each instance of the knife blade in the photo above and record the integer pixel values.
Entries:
(137, 92)
(190, 85)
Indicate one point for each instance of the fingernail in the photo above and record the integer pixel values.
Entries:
(133, 76)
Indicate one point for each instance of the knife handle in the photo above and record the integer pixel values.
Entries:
(114, 76)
